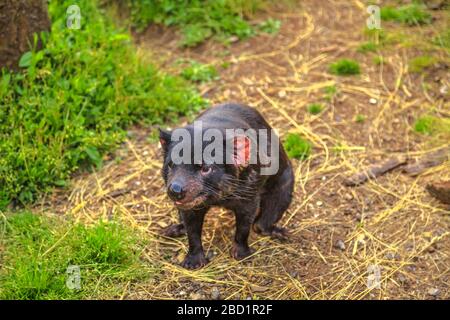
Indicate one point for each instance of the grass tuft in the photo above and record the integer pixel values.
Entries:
(199, 72)
(297, 147)
(367, 47)
(270, 26)
(432, 125)
(419, 64)
(360, 118)
(411, 14)
(315, 108)
(345, 67)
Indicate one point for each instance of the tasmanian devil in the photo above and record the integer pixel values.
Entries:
(226, 158)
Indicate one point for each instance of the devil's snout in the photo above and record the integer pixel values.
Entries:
(176, 191)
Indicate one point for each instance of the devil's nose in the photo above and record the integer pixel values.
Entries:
(176, 191)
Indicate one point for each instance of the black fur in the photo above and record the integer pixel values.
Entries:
(255, 199)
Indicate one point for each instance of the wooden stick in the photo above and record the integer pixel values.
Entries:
(427, 161)
(375, 170)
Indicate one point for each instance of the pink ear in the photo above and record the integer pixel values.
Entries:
(241, 151)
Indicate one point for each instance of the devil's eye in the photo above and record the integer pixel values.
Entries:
(206, 170)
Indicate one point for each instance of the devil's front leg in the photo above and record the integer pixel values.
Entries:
(193, 223)
(175, 230)
(245, 215)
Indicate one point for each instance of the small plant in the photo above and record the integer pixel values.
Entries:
(367, 47)
(431, 125)
(345, 67)
(330, 92)
(411, 14)
(419, 64)
(360, 118)
(270, 26)
(199, 72)
(315, 108)
(424, 125)
(297, 147)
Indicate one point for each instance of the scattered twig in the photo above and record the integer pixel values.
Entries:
(428, 161)
(375, 170)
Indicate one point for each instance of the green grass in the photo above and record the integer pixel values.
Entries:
(330, 92)
(419, 64)
(199, 20)
(360, 118)
(36, 252)
(443, 39)
(199, 72)
(411, 14)
(72, 101)
(297, 147)
(432, 125)
(367, 47)
(270, 26)
(345, 67)
(315, 108)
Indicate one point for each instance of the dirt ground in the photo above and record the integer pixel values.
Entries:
(341, 237)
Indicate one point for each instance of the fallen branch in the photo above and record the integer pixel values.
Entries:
(427, 161)
(375, 170)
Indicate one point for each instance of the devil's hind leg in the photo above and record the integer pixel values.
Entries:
(274, 202)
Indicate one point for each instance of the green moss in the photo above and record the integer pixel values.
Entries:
(297, 147)
(345, 67)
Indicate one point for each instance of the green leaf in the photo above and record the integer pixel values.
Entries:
(4, 83)
(25, 60)
(60, 183)
(94, 155)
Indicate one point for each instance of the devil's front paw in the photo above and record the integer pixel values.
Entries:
(240, 252)
(194, 261)
(174, 231)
